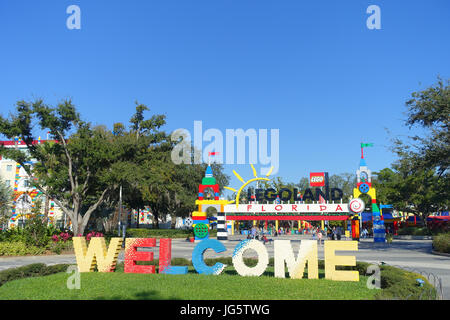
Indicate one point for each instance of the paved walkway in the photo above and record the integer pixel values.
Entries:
(409, 254)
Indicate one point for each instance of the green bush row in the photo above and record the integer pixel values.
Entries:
(414, 231)
(36, 233)
(163, 233)
(32, 270)
(19, 248)
(441, 243)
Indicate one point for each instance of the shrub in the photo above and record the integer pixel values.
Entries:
(94, 234)
(18, 248)
(36, 232)
(164, 233)
(60, 242)
(157, 233)
(13, 234)
(414, 231)
(32, 270)
(400, 284)
(441, 243)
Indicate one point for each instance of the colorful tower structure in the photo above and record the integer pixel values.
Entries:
(200, 220)
(208, 182)
(364, 186)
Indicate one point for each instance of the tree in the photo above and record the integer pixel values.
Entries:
(418, 193)
(344, 181)
(430, 109)
(6, 199)
(77, 169)
(419, 182)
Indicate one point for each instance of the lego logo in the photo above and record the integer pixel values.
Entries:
(317, 179)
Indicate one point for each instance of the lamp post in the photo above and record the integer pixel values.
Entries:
(120, 209)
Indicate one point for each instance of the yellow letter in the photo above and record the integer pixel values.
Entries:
(306, 253)
(96, 254)
(331, 260)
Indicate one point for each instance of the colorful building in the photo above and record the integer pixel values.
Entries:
(25, 196)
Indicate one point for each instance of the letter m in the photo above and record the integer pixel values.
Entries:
(240, 146)
(307, 253)
(96, 254)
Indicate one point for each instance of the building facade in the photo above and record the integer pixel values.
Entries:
(25, 197)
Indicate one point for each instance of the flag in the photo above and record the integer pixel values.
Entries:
(212, 153)
(364, 145)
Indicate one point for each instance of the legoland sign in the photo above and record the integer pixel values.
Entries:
(289, 208)
(106, 259)
(317, 179)
(285, 194)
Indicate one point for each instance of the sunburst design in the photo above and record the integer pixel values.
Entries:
(245, 183)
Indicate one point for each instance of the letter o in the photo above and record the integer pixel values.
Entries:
(238, 259)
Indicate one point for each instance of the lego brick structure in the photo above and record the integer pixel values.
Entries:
(238, 258)
(307, 253)
(222, 233)
(331, 260)
(197, 257)
(165, 257)
(132, 255)
(96, 254)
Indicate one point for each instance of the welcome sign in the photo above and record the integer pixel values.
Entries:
(105, 259)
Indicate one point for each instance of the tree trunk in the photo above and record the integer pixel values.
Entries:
(138, 217)
(155, 220)
(46, 208)
(174, 221)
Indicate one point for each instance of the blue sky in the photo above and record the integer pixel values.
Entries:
(311, 69)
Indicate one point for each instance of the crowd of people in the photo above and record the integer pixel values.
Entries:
(331, 233)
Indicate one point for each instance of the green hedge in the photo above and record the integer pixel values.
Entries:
(163, 233)
(441, 243)
(401, 284)
(31, 270)
(414, 231)
(19, 248)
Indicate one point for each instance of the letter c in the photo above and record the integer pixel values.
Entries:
(197, 257)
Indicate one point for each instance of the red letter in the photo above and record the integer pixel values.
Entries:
(294, 207)
(165, 254)
(132, 255)
(262, 209)
(249, 207)
(279, 205)
(322, 208)
(338, 208)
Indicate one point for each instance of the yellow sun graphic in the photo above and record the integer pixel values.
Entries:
(245, 183)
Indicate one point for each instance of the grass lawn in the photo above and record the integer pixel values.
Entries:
(193, 286)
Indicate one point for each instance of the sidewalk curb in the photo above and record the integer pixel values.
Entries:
(440, 253)
(410, 237)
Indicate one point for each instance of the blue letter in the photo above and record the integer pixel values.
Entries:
(197, 257)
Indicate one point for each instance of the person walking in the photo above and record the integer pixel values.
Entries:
(253, 232)
(319, 236)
